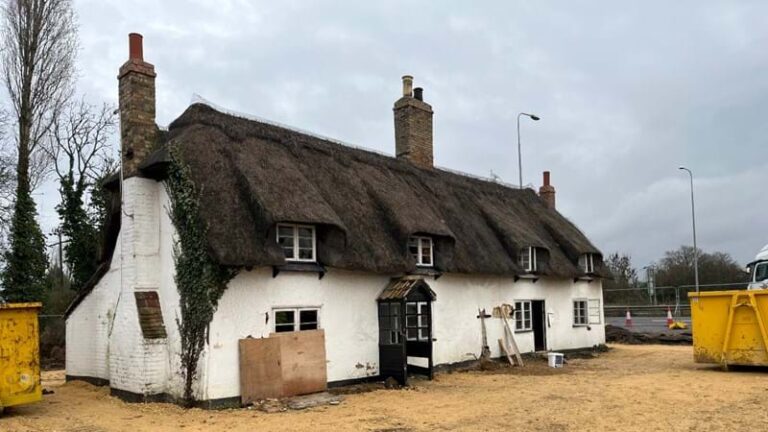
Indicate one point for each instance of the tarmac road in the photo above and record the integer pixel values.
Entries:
(648, 324)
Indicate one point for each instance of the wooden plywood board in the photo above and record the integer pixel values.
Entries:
(260, 370)
(304, 367)
(284, 364)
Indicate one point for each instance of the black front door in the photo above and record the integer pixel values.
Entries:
(418, 335)
(539, 323)
(392, 357)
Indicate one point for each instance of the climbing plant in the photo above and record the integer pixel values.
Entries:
(200, 280)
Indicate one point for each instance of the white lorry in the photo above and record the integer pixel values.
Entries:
(758, 270)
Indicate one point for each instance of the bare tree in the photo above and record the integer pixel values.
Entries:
(39, 46)
(79, 146)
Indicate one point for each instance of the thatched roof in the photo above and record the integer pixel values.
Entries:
(253, 175)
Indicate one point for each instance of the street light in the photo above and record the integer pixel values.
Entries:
(519, 153)
(693, 219)
(649, 272)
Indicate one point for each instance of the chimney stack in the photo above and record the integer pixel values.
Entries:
(547, 192)
(137, 107)
(413, 126)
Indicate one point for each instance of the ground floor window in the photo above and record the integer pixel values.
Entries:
(417, 321)
(580, 312)
(296, 319)
(523, 315)
(389, 323)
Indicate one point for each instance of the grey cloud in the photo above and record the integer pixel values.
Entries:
(626, 91)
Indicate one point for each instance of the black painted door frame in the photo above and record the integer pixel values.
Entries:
(394, 333)
(539, 323)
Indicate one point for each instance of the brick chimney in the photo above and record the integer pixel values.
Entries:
(137, 107)
(413, 126)
(547, 192)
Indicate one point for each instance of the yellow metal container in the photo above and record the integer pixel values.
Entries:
(19, 354)
(729, 327)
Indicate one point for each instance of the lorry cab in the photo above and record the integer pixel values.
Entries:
(758, 270)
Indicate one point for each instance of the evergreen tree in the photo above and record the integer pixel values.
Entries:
(24, 277)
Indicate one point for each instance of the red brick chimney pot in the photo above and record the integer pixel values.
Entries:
(135, 47)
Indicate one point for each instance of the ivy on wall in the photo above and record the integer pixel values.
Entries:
(200, 281)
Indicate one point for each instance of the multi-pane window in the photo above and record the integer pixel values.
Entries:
(594, 311)
(296, 319)
(580, 312)
(523, 315)
(389, 323)
(421, 250)
(587, 262)
(528, 259)
(297, 241)
(417, 321)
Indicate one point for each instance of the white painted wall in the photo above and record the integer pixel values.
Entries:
(347, 302)
(104, 338)
(87, 328)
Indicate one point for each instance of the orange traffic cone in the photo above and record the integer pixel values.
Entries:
(628, 321)
(670, 321)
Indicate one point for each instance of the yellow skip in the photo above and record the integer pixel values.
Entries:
(19, 354)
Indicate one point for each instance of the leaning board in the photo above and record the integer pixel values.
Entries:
(303, 361)
(284, 364)
(260, 372)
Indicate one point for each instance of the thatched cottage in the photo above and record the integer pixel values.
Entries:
(390, 256)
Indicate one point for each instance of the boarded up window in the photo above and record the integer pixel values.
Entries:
(150, 315)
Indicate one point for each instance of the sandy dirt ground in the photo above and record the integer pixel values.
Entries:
(630, 388)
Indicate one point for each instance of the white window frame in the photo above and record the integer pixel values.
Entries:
(584, 317)
(295, 228)
(525, 305)
(422, 329)
(593, 311)
(420, 243)
(588, 262)
(296, 317)
(529, 252)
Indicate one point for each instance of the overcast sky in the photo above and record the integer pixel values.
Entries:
(627, 91)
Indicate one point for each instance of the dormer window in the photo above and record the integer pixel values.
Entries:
(528, 259)
(587, 263)
(421, 250)
(297, 241)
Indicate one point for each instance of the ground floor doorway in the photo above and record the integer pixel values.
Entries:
(539, 324)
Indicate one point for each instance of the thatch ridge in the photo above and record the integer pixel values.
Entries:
(255, 174)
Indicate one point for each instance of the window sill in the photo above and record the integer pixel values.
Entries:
(581, 325)
(300, 267)
(533, 277)
(586, 278)
(427, 271)
(524, 331)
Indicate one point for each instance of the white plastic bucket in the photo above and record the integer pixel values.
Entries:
(555, 359)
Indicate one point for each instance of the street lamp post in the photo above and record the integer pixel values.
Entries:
(649, 275)
(519, 152)
(693, 220)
